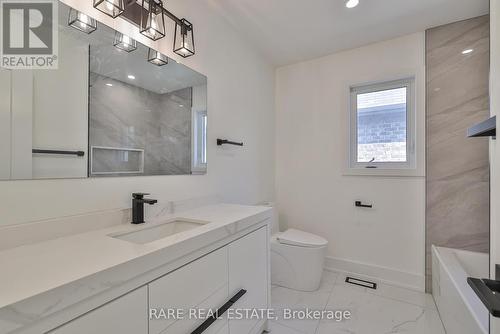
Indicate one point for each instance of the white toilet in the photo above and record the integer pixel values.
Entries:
(297, 259)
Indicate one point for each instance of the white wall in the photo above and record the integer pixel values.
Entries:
(312, 100)
(5, 124)
(69, 110)
(240, 107)
(494, 146)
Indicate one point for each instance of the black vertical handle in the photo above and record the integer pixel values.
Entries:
(207, 323)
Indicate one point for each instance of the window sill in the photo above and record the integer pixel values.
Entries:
(383, 172)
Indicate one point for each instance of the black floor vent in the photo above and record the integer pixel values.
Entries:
(360, 282)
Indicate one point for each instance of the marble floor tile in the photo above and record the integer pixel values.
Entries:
(374, 314)
(276, 328)
(388, 309)
(283, 298)
(393, 292)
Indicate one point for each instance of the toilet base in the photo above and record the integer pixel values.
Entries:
(297, 268)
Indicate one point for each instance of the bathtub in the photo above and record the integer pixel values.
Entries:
(460, 309)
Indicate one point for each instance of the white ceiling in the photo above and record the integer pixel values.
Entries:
(289, 31)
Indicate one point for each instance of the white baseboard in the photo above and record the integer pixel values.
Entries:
(382, 274)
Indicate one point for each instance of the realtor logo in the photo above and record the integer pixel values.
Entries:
(29, 34)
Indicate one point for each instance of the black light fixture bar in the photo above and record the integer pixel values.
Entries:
(172, 16)
(133, 13)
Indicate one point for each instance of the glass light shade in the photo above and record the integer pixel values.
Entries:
(111, 8)
(184, 39)
(156, 58)
(81, 21)
(152, 20)
(125, 43)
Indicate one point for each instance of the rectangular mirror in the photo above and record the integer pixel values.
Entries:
(105, 112)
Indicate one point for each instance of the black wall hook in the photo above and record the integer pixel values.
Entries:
(228, 142)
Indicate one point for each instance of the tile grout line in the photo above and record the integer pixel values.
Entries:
(327, 301)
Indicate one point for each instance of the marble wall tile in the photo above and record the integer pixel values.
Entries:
(457, 186)
(126, 116)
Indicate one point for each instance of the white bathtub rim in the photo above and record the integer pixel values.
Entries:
(470, 299)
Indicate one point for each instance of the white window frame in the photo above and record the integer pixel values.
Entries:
(382, 168)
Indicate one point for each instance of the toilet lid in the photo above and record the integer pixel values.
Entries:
(295, 237)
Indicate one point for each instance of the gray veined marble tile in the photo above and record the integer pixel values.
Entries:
(457, 179)
(276, 328)
(133, 117)
(374, 314)
(283, 298)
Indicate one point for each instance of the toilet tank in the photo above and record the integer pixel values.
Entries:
(275, 219)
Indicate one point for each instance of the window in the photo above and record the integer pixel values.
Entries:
(199, 142)
(382, 126)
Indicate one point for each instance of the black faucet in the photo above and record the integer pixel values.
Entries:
(138, 201)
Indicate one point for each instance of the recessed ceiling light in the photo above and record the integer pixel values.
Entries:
(110, 85)
(467, 51)
(351, 3)
(131, 77)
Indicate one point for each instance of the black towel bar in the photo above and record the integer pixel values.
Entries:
(228, 142)
(77, 153)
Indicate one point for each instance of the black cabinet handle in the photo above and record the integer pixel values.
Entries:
(220, 311)
(359, 204)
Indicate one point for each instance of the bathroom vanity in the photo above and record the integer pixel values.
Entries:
(118, 107)
(120, 279)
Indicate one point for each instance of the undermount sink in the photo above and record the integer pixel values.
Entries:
(158, 231)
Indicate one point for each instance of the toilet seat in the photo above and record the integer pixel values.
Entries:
(299, 238)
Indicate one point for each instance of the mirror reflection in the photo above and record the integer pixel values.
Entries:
(113, 107)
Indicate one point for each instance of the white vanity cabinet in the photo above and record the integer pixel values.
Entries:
(209, 282)
(200, 284)
(125, 315)
(206, 283)
(248, 269)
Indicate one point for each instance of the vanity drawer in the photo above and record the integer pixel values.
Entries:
(248, 269)
(188, 287)
(125, 315)
(188, 325)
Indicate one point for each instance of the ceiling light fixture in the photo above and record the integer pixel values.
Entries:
(152, 20)
(157, 58)
(184, 39)
(113, 8)
(109, 85)
(149, 16)
(125, 43)
(131, 77)
(467, 51)
(81, 21)
(351, 3)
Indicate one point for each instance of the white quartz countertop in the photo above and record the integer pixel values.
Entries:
(30, 270)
